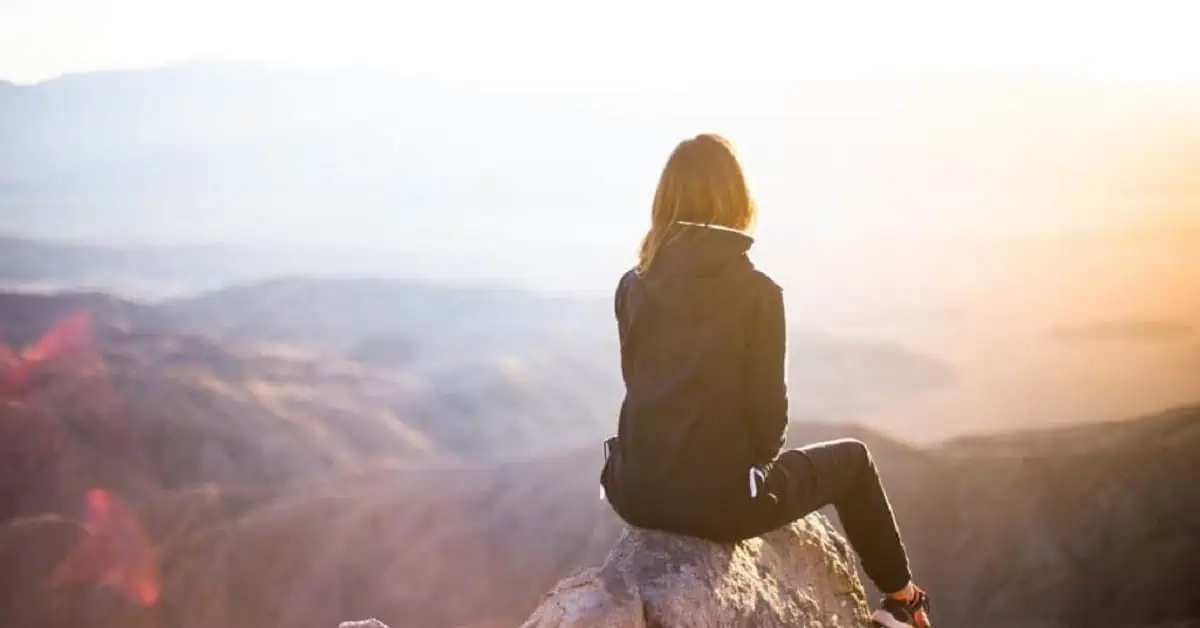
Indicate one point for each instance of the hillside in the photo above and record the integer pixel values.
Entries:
(547, 363)
(349, 315)
(1004, 540)
(293, 484)
(141, 270)
(395, 544)
(1084, 526)
(168, 411)
(925, 342)
(484, 372)
(511, 343)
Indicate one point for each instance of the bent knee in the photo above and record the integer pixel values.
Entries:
(857, 451)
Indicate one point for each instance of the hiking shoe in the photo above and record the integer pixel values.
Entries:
(900, 614)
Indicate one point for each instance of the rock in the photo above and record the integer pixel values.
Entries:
(801, 575)
(366, 623)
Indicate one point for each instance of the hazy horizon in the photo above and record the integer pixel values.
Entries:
(429, 178)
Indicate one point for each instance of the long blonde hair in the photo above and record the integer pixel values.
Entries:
(702, 183)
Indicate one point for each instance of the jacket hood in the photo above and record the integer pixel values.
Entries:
(699, 251)
(696, 265)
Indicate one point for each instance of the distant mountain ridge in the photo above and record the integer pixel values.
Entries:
(546, 364)
(222, 138)
(472, 180)
(140, 271)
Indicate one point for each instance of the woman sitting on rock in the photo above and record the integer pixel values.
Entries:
(703, 355)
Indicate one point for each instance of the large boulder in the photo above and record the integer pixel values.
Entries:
(798, 575)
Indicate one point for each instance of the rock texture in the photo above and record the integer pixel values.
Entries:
(798, 576)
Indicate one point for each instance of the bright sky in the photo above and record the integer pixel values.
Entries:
(628, 41)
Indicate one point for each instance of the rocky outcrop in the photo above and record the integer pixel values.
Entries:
(799, 575)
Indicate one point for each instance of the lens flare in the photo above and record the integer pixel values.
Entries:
(67, 344)
(112, 550)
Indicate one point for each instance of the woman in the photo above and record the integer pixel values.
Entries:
(703, 356)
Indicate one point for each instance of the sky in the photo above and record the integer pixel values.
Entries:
(627, 42)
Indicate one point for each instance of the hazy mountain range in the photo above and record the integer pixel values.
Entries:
(391, 174)
(493, 372)
(923, 342)
(291, 486)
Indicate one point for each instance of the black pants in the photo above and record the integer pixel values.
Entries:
(841, 473)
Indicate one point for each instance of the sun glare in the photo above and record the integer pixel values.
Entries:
(660, 43)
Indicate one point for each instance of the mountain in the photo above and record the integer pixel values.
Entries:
(1005, 531)
(484, 372)
(350, 314)
(565, 343)
(409, 176)
(1098, 328)
(289, 484)
(920, 341)
(357, 159)
(1091, 525)
(154, 411)
(144, 271)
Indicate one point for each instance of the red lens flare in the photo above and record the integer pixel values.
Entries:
(113, 551)
(68, 344)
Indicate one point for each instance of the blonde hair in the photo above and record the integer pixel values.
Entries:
(701, 183)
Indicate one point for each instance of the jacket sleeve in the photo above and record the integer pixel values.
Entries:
(767, 401)
(619, 296)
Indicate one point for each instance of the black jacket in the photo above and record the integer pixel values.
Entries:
(703, 349)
